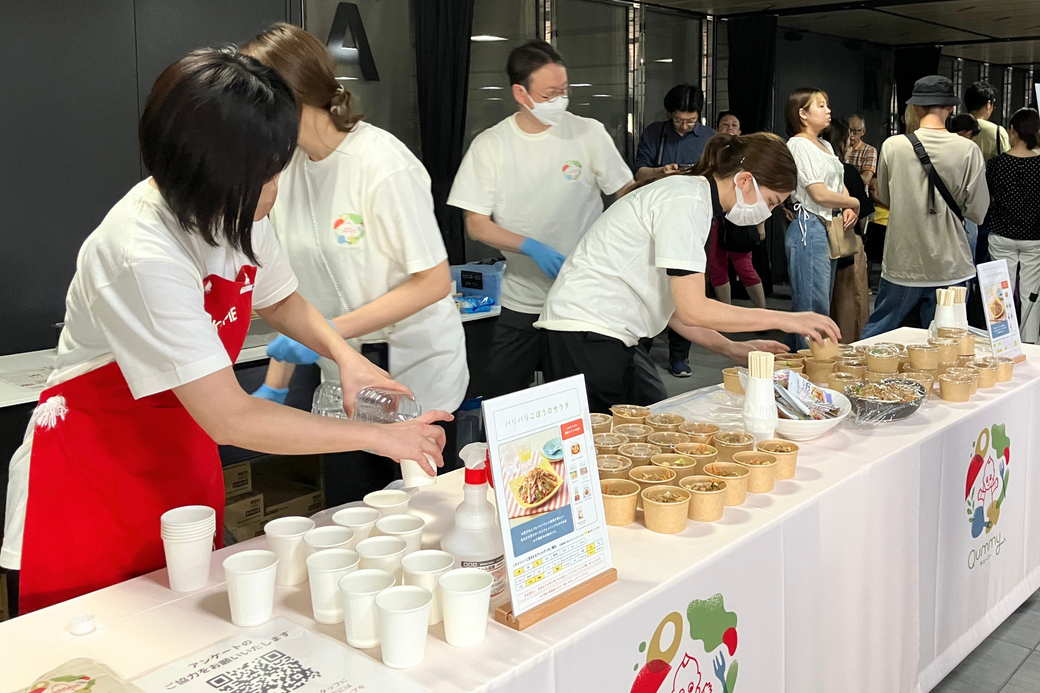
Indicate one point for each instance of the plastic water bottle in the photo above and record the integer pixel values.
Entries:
(376, 405)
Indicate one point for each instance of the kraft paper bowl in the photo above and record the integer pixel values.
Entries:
(761, 470)
(729, 443)
(796, 365)
(682, 465)
(666, 440)
(805, 353)
(702, 453)
(1005, 367)
(954, 388)
(620, 497)
(608, 443)
(969, 373)
(613, 466)
(987, 374)
(883, 359)
(949, 349)
(731, 381)
(965, 339)
(924, 377)
(854, 367)
(966, 361)
(786, 454)
(665, 422)
(699, 431)
(924, 357)
(639, 454)
(601, 423)
(707, 505)
(649, 477)
(636, 433)
(818, 370)
(736, 478)
(838, 381)
(827, 350)
(629, 413)
(662, 517)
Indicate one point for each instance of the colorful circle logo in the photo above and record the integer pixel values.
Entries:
(349, 229)
(985, 487)
(572, 170)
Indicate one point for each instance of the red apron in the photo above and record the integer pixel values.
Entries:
(110, 465)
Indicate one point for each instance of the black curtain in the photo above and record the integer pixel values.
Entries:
(911, 65)
(442, 42)
(752, 61)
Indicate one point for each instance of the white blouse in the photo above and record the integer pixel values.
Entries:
(815, 166)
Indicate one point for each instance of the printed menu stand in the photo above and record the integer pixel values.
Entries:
(999, 307)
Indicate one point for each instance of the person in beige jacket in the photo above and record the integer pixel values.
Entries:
(926, 245)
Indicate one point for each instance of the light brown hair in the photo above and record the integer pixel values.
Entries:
(799, 99)
(304, 63)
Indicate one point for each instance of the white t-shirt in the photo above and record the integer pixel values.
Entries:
(545, 186)
(375, 228)
(137, 298)
(616, 282)
(816, 166)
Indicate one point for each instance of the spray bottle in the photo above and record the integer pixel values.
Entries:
(476, 541)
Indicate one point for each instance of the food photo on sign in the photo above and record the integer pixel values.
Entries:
(535, 474)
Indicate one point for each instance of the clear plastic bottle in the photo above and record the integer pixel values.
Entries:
(476, 540)
(375, 405)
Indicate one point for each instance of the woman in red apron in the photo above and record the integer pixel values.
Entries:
(143, 389)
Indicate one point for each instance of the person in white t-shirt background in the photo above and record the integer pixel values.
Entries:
(355, 217)
(531, 186)
(641, 268)
(143, 388)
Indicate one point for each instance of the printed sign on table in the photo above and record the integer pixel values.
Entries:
(547, 490)
(997, 289)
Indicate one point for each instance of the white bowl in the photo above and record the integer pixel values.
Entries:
(794, 429)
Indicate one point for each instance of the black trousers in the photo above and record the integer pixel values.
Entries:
(614, 373)
(12, 590)
(516, 353)
(678, 346)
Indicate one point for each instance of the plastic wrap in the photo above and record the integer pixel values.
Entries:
(870, 411)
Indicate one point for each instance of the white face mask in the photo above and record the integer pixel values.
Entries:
(744, 214)
(548, 112)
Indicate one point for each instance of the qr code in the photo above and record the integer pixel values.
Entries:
(273, 672)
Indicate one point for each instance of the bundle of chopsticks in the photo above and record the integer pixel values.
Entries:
(952, 295)
(760, 364)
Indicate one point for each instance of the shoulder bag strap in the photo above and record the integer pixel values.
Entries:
(934, 181)
(660, 144)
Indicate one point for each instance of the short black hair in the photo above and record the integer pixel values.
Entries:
(528, 58)
(684, 98)
(978, 95)
(722, 115)
(963, 122)
(216, 127)
(1026, 122)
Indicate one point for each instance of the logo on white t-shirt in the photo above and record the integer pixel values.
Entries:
(572, 170)
(349, 228)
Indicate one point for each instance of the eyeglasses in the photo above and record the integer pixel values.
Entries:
(555, 94)
(857, 131)
(678, 122)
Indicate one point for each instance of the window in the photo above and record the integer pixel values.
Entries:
(673, 51)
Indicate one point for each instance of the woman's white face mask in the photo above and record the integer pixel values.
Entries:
(548, 112)
(748, 214)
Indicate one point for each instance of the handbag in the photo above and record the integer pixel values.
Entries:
(840, 241)
(737, 239)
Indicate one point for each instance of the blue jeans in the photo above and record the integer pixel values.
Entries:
(972, 229)
(894, 302)
(810, 266)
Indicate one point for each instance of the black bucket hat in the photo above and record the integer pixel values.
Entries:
(933, 90)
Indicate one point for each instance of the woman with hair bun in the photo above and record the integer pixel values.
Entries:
(640, 268)
(1014, 212)
(355, 217)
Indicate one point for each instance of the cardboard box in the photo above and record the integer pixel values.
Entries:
(243, 509)
(289, 498)
(238, 479)
(302, 469)
(248, 531)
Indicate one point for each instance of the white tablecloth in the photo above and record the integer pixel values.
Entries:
(860, 574)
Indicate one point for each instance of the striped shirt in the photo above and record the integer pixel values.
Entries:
(864, 158)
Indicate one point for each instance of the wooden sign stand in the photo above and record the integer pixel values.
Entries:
(504, 613)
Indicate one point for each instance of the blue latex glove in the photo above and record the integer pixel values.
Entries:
(282, 348)
(548, 259)
(271, 394)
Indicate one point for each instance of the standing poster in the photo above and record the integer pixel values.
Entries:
(547, 490)
(995, 284)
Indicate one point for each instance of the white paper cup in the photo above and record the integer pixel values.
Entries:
(250, 585)
(388, 502)
(424, 569)
(188, 517)
(187, 562)
(382, 553)
(414, 476)
(404, 614)
(361, 520)
(324, 570)
(408, 527)
(466, 599)
(285, 538)
(331, 537)
(360, 620)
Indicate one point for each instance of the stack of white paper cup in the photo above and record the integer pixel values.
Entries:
(324, 570)
(331, 537)
(408, 527)
(250, 584)
(388, 501)
(424, 569)
(465, 599)
(360, 620)
(382, 553)
(404, 616)
(187, 535)
(414, 476)
(285, 538)
(360, 520)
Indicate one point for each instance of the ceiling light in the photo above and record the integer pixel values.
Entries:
(581, 85)
(485, 38)
(346, 78)
(663, 60)
(490, 88)
(493, 98)
(601, 96)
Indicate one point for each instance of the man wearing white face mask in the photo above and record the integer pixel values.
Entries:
(531, 186)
